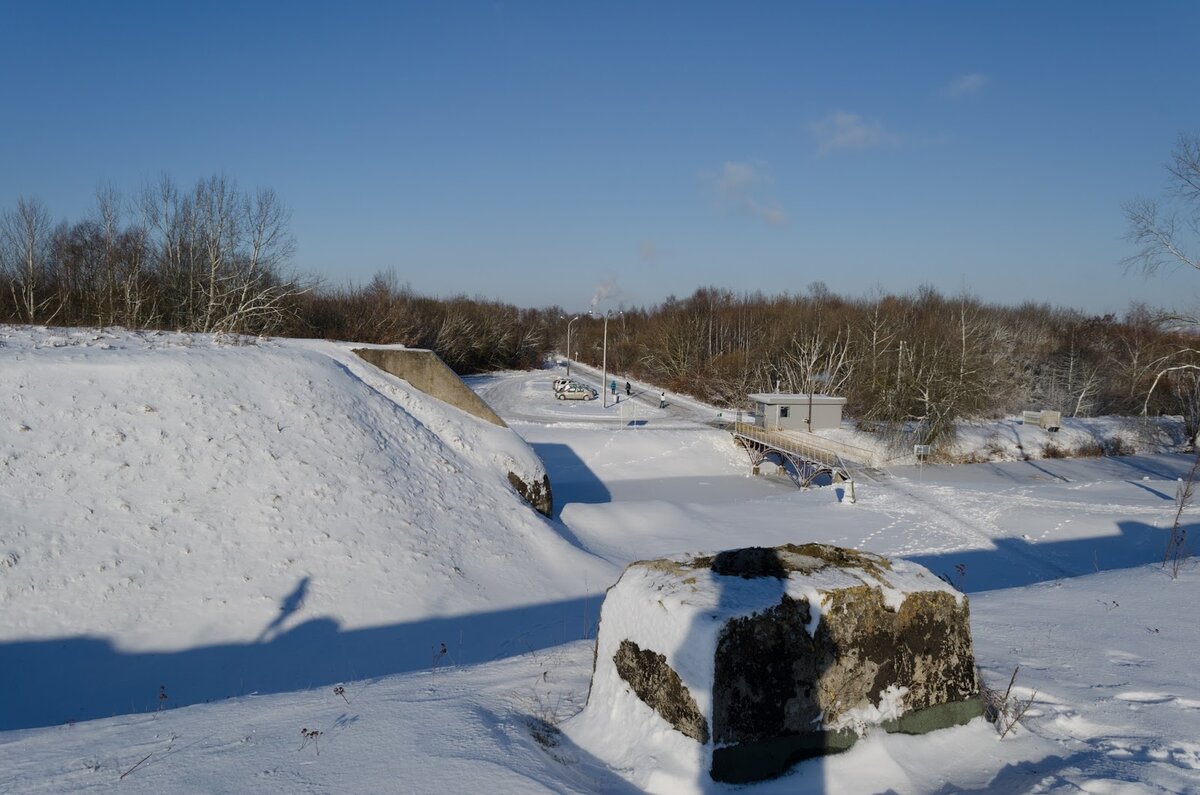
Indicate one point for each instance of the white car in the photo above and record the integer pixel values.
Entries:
(562, 383)
(574, 391)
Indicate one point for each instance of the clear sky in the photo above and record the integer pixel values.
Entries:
(540, 152)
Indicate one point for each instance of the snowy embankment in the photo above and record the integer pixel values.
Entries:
(185, 520)
(383, 493)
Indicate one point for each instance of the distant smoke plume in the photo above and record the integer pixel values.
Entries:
(606, 289)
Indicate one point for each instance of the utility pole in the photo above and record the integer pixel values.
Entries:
(604, 359)
(569, 344)
(604, 366)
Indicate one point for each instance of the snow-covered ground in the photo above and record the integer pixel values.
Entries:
(254, 525)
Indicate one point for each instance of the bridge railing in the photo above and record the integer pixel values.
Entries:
(821, 450)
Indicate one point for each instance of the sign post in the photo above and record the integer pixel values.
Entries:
(920, 451)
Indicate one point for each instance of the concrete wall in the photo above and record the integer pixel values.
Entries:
(425, 371)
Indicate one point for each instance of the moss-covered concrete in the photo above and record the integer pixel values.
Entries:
(782, 694)
(795, 679)
(537, 493)
(778, 562)
(782, 561)
(655, 683)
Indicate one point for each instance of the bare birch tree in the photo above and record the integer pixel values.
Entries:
(1166, 232)
(221, 256)
(25, 238)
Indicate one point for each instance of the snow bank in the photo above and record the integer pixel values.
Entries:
(218, 519)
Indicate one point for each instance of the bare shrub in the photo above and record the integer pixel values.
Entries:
(1005, 710)
(1052, 450)
(1118, 445)
(543, 712)
(1176, 552)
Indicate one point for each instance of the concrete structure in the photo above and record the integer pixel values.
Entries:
(428, 373)
(424, 370)
(787, 412)
(768, 656)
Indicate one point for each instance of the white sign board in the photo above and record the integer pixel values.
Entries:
(921, 449)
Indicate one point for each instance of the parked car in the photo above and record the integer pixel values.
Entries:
(562, 383)
(575, 391)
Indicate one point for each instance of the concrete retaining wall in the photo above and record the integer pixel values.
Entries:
(428, 373)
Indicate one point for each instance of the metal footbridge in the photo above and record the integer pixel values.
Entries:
(804, 456)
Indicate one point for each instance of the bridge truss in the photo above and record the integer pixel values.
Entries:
(808, 460)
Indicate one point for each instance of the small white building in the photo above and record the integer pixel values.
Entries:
(781, 412)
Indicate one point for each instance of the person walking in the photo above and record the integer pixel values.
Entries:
(662, 399)
(628, 390)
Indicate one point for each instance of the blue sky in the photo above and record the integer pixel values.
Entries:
(544, 152)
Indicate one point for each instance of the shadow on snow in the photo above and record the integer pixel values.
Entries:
(1015, 562)
(54, 681)
(571, 478)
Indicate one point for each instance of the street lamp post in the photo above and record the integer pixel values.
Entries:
(604, 359)
(569, 344)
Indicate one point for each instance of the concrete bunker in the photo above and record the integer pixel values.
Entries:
(765, 657)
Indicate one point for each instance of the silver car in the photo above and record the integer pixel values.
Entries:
(574, 391)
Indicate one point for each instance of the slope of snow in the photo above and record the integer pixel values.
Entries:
(222, 519)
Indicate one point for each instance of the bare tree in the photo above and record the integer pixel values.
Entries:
(168, 220)
(815, 361)
(220, 256)
(108, 218)
(252, 292)
(25, 238)
(1166, 232)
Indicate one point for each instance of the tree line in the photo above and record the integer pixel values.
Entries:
(210, 258)
(911, 360)
(215, 258)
